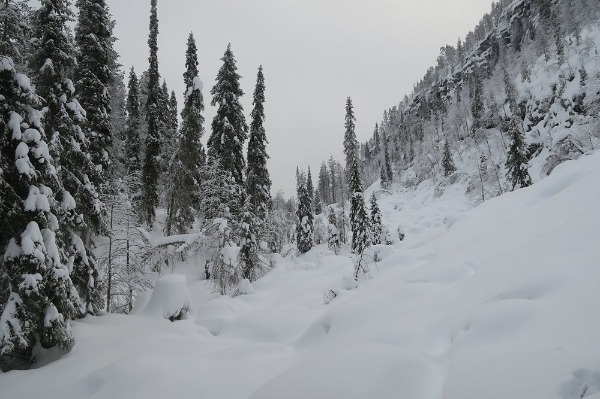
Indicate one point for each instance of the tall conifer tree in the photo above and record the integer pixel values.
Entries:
(516, 160)
(37, 296)
(304, 226)
(358, 215)
(133, 151)
(51, 62)
(185, 169)
(93, 36)
(258, 182)
(350, 141)
(229, 129)
(151, 168)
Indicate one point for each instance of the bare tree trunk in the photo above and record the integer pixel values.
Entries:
(110, 260)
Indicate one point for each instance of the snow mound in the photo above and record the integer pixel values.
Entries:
(363, 371)
(170, 298)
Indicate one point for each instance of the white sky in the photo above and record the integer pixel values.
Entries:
(315, 53)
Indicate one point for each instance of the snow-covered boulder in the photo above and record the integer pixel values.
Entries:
(170, 298)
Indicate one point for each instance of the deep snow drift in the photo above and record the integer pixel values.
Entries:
(500, 301)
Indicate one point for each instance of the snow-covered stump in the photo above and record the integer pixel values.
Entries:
(170, 298)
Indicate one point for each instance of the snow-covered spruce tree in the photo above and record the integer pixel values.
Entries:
(168, 135)
(133, 151)
(333, 233)
(359, 222)
(258, 181)
(152, 164)
(350, 141)
(37, 296)
(14, 29)
(219, 191)
(324, 184)
(377, 233)
(516, 159)
(447, 162)
(229, 129)
(62, 118)
(249, 260)
(304, 224)
(93, 37)
(310, 188)
(386, 167)
(185, 168)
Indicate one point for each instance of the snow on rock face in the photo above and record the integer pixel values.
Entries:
(170, 298)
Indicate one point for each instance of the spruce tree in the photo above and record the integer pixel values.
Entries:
(350, 141)
(516, 159)
(37, 296)
(324, 185)
(229, 129)
(304, 224)
(14, 30)
(249, 242)
(359, 221)
(358, 215)
(152, 164)
(310, 188)
(333, 233)
(133, 151)
(185, 169)
(258, 182)
(447, 162)
(377, 234)
(93, 36)
(387, 165)
(51, 63)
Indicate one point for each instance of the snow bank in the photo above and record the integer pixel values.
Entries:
(170, 298)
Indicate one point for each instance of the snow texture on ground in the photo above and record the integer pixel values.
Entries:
(496, 302)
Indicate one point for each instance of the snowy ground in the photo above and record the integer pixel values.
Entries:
(500, 301)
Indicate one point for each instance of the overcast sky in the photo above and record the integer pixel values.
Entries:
(315, 53)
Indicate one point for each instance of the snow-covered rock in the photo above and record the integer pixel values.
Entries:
(170, 298)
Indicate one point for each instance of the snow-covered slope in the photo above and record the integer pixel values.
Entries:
(500, 301)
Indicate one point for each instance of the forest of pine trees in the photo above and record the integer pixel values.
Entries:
(78, 165)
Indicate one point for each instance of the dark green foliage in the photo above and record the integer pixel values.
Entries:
(377, 235)
(14, 29)
(152, 164)
(186, 165)
(359, 223)
(447, 162)
(350, 141)
(229, 129)
(324, 184)
(304, 224)
(249, 242)
(219, 192)
(37, 296)
(93, 36)
(258, 182)
(309, 187)
(133, 149)
(516, 159)
(386, 168)
(69, 146)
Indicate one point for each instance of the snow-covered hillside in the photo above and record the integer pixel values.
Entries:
(500, 301)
